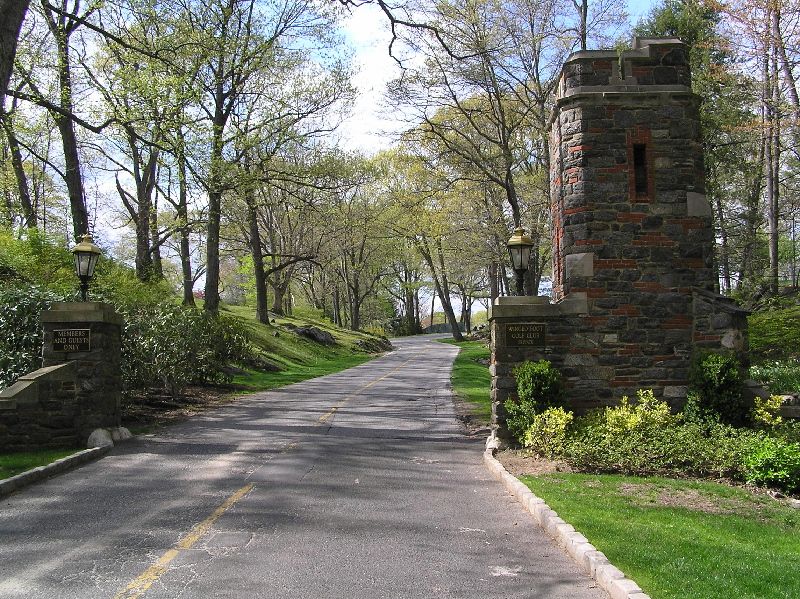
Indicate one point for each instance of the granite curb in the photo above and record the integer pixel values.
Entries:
(22, 480)
(610, 578)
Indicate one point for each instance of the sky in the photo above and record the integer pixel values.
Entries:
(371, 126)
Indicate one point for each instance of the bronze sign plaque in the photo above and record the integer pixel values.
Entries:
(526, 334)
(71, 340)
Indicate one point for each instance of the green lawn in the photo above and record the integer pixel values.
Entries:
(12, 464)
(298, 358)
(774, 334)
(683, 539)
(295, 372)
(470, 379)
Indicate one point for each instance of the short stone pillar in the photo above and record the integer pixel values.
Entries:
(533, 328)
(89, 334)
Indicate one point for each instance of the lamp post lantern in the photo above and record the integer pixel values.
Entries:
(86, 254)
(519, 249)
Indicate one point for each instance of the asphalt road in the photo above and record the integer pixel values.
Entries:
(355, 485)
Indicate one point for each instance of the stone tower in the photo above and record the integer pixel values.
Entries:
(627, 182)
(633, 273)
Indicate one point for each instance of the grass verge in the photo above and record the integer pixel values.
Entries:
(471, 380)
(12, 464)
(682, 539)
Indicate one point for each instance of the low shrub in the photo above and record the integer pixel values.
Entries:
(169, 347)
(539, 387)
(765, 412)
(547, 434)
(645, 439)
(774, 463)
(646, 415)
(539, 383)
(628, 438)
(717, 381)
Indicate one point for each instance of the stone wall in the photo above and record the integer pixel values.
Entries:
(40, 410)
(78, 388)
(632, 234)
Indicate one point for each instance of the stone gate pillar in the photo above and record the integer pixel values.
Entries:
(89, 334)
(533, 328)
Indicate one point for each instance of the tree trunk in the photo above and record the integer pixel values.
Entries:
(215, 207)
(355, 315)
(182, 210)
(724, 250)
(582, 7)
(786, 68)
(752, 218)
(144, 259)
(466, 309)
(447, 306)
(262, 315)
(408, 301)
(770, 163)
(155, 243)
(28, 210)
(354, 297)
(278, 296)
(69, 141)
(494, 290)
(13, 12)
(337, 309)
(417, 319)
(440, 283)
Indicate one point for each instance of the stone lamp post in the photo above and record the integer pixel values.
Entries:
(519, 249)
(86, 254)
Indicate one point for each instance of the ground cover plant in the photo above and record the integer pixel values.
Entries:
(779, 376)
(681, 539)
(12, 464)
(471, 379)
(774, 333)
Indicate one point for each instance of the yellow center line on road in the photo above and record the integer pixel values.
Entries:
(330, 413)
(152, 574)
(147, 578)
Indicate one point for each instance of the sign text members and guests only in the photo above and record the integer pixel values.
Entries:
(71, 340)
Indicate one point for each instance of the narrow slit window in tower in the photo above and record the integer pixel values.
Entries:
(640, 169)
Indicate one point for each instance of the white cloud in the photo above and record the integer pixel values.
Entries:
(371, 126)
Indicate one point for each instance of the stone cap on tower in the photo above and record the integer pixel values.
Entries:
(653, 64)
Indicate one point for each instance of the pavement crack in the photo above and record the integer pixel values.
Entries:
(307, 472)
